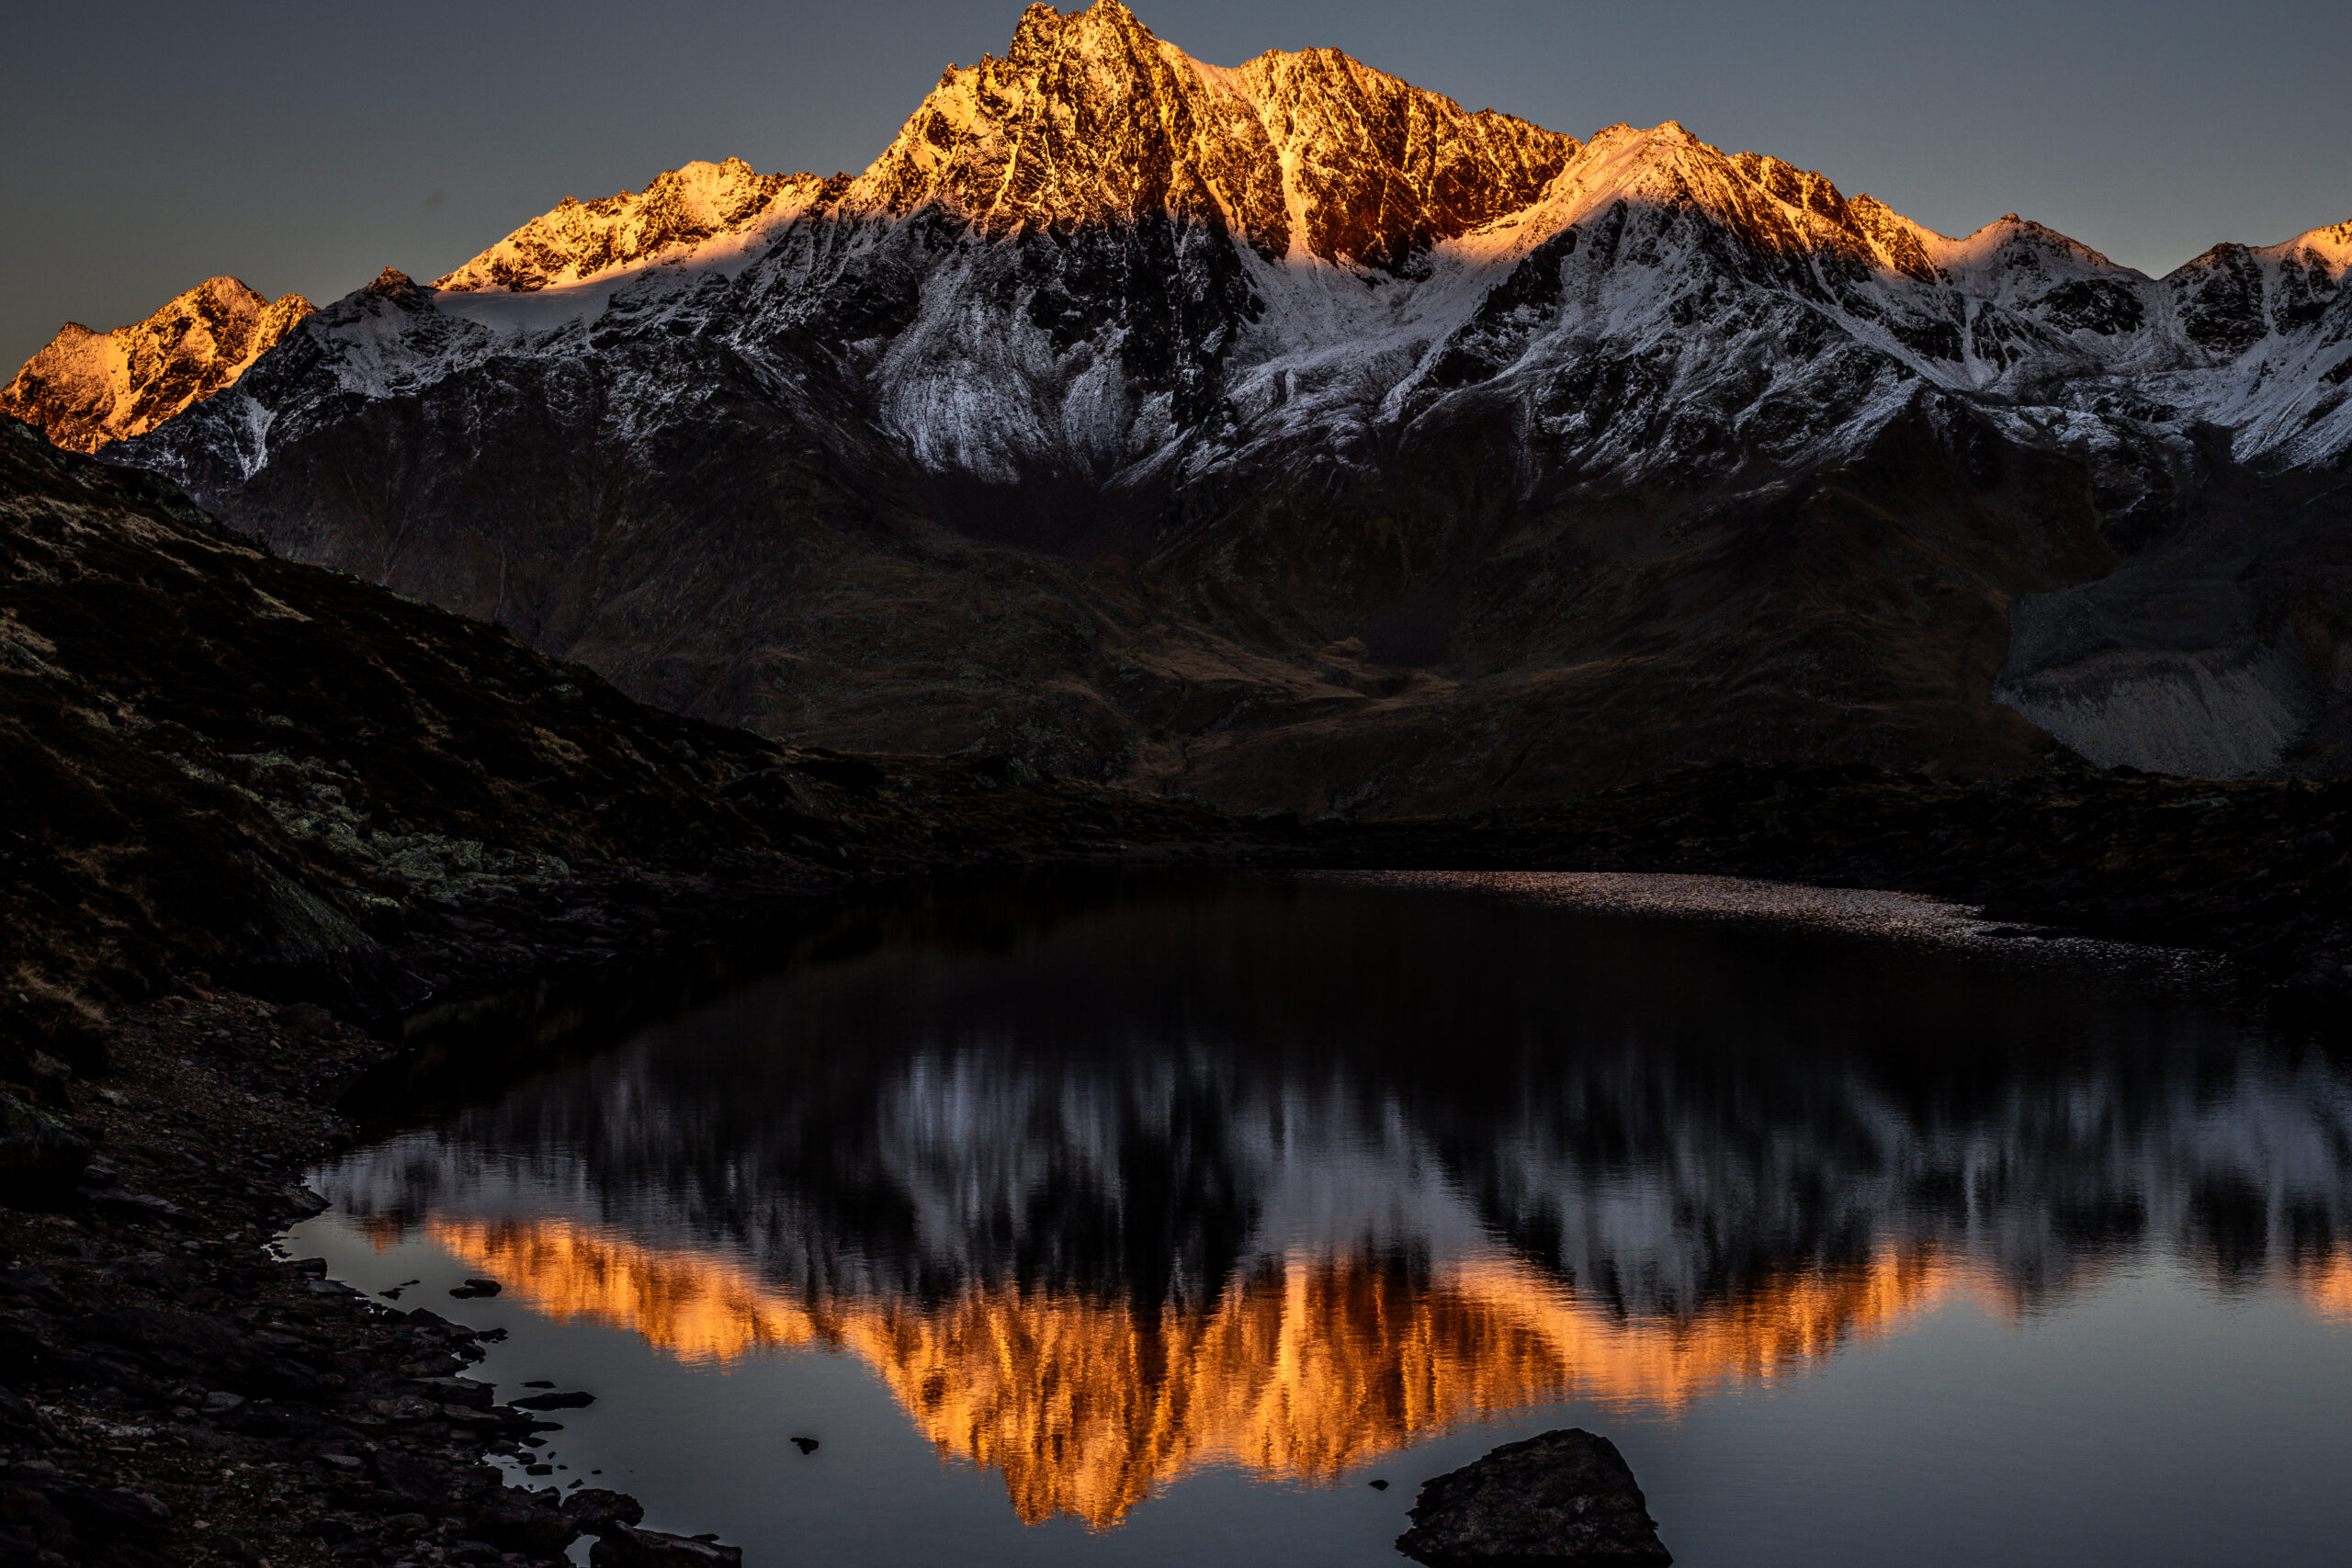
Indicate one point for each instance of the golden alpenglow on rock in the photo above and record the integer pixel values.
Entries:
(87, 389)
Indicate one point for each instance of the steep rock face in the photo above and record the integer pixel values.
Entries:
(1091, 118)
(1293, 434)
(87, 388)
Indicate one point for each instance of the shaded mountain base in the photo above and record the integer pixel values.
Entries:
(2223, 649)
(1854, 614)
(1446, 620)
(224, 763)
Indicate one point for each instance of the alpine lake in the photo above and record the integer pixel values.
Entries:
(1160, 1218)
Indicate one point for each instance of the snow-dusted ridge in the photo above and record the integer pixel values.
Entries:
(1349, 230)
(698, 212)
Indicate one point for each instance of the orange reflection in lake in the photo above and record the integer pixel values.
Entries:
(2326, 1285)
(1300, 1371)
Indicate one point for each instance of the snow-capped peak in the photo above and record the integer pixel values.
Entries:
(680, 212)
(2326, 251)
(88, 388)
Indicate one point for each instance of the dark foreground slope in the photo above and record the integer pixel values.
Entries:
(223, 762)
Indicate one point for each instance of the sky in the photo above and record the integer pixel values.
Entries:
(305, 147)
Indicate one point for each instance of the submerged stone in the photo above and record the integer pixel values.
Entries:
(621, 1546)
(1566, 1497)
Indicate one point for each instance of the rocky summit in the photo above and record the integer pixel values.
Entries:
(87, 389)
(1285, 434)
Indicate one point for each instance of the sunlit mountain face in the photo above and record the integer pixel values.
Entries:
(1285, 1177)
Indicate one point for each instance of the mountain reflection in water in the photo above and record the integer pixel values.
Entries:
(1300, 1370)
(1287, 1175)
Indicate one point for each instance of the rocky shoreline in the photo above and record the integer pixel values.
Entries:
(2256, 872)
(180, 1396)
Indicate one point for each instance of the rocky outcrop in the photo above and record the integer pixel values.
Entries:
(1565, 1498)
(87, 388)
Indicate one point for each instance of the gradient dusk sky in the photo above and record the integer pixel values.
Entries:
(304, 147)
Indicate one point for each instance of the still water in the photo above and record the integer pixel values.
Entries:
(1149, 1219)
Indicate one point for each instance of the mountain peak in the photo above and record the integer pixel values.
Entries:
(1043, 30)
(2014, 244)
(2326, 250)
(87, 389)
(677, 211)
(1089, 118)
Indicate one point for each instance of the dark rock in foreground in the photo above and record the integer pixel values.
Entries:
(598, 1509)
(1564, 1497)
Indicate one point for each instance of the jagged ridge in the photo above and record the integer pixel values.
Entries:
(86, 388)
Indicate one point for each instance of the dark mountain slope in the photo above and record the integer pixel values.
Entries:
(1308, 631)
(219, 759)
(1554, 644)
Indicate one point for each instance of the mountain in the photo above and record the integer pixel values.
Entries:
(1288, 434)
(87, 388)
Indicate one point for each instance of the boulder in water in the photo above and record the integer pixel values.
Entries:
(1566, 1497)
